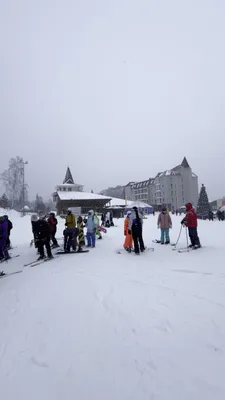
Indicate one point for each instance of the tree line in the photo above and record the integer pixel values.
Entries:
(16, 190)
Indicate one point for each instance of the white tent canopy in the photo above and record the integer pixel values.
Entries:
(139, 204)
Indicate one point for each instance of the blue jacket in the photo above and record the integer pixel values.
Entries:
(91, 225)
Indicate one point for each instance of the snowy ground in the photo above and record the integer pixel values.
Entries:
(103, 326)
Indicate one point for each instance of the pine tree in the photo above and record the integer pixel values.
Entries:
(4, 202)
(203, 207)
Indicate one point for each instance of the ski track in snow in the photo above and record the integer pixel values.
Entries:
(102, 326)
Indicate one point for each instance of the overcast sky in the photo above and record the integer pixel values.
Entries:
(116, 89)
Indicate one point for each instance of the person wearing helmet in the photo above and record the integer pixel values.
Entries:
(128, 237)
(191, 222)
(135, 228)
(70, 219)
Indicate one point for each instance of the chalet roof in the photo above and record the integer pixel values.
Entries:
(81, 196)
(184, 163)
(68, 177)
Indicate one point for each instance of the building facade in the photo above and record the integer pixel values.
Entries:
(173, 188)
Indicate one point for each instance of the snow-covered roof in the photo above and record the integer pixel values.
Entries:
(119, 202)
(81, 196)
(139, 204)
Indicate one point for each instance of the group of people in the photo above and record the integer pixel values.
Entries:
(107, 219)
(44, 232)
(5, 230)
(133, 228)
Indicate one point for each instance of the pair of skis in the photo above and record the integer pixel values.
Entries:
(4, 274)
(132, 250)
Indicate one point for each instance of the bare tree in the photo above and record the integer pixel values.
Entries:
(13, 178)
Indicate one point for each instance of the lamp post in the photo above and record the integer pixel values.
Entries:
(24, 163)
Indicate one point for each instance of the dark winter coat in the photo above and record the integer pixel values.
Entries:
(135, 220)
(42, 230)
(53, 224)
(3, 229)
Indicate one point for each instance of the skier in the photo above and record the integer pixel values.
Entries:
(52, 220)
(10, 226)
(165, 224)
(107, 219)
(135, 227)
(43, 235)
(103, 219)
(111, 219)
(91, 229)
(34, 220)
(70, 219)
(191, 222)
(70, 238)
(3, 237)
(128, 237)
(80, 227)
(98, 233)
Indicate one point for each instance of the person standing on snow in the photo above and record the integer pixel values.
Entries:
(43, 235)
(70, 219)
(9, 228)
(135, 228)
(80, 227)
(107, 219)
(165, 224)
(52, 220)
(3, 237)
(91, 229)
(191, 222)
(98, 233)
(128, 237)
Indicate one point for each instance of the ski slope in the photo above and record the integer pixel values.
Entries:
(103, 326)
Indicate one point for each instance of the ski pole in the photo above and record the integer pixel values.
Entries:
(187, 238)
(178, 238)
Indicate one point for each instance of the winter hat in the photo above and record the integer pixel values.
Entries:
(135, 208)
(33, 218)
(188, 206)
(69, 210)
(129, 212)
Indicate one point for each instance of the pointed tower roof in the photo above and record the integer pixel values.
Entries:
(185, 163)
(68, 178)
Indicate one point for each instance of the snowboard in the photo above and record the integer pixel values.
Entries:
(102, 229)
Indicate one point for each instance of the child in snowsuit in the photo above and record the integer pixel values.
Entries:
(191, 222)
(135, 228)
(80, 227)
(70, 239)
(3, 237)
(128, 237)
(91, 226)
(165, 224)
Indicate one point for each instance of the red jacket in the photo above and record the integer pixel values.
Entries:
(191, 217)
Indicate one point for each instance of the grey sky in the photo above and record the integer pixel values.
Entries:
(117, 89)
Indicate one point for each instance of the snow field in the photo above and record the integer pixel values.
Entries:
(104, 326)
